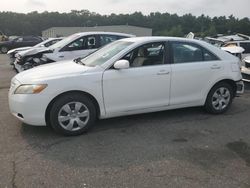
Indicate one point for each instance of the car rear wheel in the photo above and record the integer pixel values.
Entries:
(72, 114)
(219, 98)
(4, 49)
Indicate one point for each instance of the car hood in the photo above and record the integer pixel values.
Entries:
(18, 49)
(51, 71)
(33, 51)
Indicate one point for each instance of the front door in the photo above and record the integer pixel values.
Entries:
(80, 47)
(146, 84)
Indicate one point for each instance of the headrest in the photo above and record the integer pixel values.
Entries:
(142, 52)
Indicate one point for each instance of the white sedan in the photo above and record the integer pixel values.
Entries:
(129, 76)
(74, 46)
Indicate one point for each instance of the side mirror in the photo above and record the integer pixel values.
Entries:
(121, 64)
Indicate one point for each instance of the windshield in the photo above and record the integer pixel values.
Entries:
(64, 42)
(107, 52)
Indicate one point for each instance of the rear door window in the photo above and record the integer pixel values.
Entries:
(105, 39)
(184, 52)
(30, 39)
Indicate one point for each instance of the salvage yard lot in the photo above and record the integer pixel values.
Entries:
(178, 148)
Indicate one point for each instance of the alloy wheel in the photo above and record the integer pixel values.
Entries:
(73, 116)
(221, 98)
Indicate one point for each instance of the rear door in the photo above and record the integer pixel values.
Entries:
(193, 69)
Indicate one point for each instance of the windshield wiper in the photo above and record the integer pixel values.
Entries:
(78, 61)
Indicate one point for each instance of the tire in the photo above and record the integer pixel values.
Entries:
(219, 98)
(72, 114)
(4, 49)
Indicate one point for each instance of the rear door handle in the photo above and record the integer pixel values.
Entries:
(215, 67)
(61, 56)
(163, 72)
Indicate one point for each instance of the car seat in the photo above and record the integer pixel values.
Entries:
(141, 57)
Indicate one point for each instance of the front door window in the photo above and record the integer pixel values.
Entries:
(147, 55)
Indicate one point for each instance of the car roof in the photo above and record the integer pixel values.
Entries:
(29, 36)
(52, 38)
(220, 53)
(159, 38)
(103, 33)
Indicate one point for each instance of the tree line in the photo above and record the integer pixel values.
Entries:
(164, 24)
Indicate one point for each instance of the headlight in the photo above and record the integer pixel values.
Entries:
(30, 89)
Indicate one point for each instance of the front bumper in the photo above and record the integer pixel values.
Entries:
(29, 108)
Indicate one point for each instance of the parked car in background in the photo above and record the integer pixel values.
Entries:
(74, 46)
(46, 43)
(19, 42)
(129, 76)
(244, 56)
(234, 50)
(238, 45)
(245, 70)
(3, 37)
(245, 44)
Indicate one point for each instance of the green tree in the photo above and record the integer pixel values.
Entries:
(34, 23)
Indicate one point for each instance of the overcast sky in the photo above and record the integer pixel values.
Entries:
(239, 8)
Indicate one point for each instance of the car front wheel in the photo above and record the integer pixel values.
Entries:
(4, 49)
(219, 98)
(72, 114)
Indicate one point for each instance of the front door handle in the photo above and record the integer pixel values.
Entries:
(163, 72)
(61, 56)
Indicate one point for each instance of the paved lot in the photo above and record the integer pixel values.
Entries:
(180, 148)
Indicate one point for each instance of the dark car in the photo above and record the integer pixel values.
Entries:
(19, 42)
